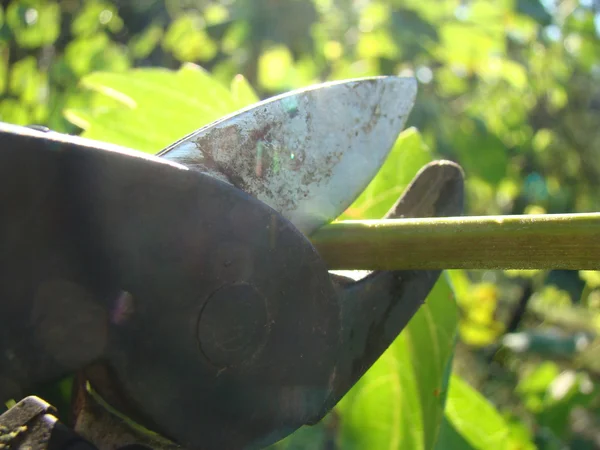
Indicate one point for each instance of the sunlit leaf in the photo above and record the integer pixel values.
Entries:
(591, 277)
(274, 68)
(234, 37)
(96, 15)
(474, 418)
(538, 379)
(376, 44)
(215, 13)
(477, 334)
(12, 111)
(344, 69)
(141, 45)
(504, 69)
(242, 92)
(450, 83)
(4, 66)
(383, 409)
(333, 50)
(157, 106)
(399, 402)
(457, 433)
(375, 14)
(88, 54)
(34, 23)
(27, 82)
(551, 297)
(432, 331)
(305, 72)
(469, 45)
(451, 439)
(187, 39)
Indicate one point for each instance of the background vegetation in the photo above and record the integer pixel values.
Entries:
(508, 88)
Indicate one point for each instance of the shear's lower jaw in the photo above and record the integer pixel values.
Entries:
(376, 308)
(374, 311)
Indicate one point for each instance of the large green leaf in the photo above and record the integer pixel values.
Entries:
(155, 107)
(399, 402)
(432, 333)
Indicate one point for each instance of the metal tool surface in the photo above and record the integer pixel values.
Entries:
(251, 405)
(55, 286)
(209, 319)
(221, 329)
(308, 153)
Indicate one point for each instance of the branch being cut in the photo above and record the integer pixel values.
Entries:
(550, 241)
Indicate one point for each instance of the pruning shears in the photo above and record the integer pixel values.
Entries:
(182, 288)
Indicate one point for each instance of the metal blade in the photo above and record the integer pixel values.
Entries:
(308, 153)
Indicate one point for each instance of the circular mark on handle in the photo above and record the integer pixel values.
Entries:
(233, 326)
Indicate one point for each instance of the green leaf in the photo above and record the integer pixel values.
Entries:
(188, 41)
(399, 402)
(215, 14)
(407, 157)
(499, 68)
(461, 285)
(450, 439)
(468, 45)
(157, 106)
(34, 23)
(142, 44)
(27, 82)
(591, 277)
(4, 66)
(242, 92)
(481, 152)
(96, 53)
(383, 410)
(432, 332)
(95, 16)
(474, 418)
(377, 43)
(12, 111)
(274, 68)
(234, 37)
(470, 418)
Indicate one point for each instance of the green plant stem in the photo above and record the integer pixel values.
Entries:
(551, 241)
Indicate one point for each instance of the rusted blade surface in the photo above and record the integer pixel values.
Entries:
(308, 153)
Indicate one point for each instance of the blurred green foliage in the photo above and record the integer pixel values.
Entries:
(508, 88)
